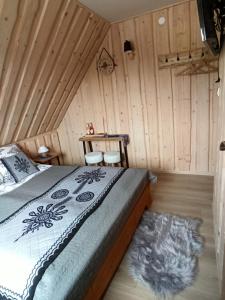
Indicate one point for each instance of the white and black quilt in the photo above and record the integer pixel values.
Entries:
(33, 236)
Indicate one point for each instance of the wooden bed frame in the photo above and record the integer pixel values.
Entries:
(116, 253)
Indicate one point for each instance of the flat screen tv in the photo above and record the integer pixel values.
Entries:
(210, 18)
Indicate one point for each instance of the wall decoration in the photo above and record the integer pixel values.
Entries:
(105, 63)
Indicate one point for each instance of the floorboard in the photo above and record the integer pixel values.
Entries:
(184, 195)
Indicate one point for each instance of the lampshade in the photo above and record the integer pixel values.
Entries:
(43, 149)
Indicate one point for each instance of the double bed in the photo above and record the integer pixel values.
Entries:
(84, 266)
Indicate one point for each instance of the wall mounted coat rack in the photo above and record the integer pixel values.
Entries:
(197, 61)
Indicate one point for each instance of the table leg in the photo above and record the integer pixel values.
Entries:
(85, 151)
(121, 154)
(90, 146)
(58, 160)
(126, 156)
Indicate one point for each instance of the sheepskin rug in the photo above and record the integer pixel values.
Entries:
(164, 253)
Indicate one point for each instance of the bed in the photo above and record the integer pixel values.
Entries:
(85, 266)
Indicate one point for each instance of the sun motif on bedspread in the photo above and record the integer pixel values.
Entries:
(44, 217)
(89, 178)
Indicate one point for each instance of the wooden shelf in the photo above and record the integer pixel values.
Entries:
(100, 138)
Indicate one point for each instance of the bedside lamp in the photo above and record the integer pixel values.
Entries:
(43, 151)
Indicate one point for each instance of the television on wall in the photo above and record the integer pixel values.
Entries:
(211, 17)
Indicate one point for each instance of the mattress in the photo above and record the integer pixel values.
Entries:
(70, 274)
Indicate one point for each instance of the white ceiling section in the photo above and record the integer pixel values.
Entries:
(116, 10)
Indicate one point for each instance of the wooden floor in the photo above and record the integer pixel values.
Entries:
(182, 195)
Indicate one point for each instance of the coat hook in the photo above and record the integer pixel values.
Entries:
(190, 57)
(166, 60)
(178, 58)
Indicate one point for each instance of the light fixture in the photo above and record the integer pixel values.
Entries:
(128, 49)
(162, 20)
(43, 151)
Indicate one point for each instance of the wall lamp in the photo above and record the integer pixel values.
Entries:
(128, 49)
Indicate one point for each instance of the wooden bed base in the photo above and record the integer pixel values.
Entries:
(116, 253)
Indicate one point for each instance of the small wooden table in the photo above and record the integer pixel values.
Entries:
(46, 160)
(120, 139)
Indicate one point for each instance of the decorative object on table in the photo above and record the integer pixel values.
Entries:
(105, 63)
(87, 129)
(128, 49)
(164, 252)
(48, 159)
(43, 151)
(90, 129)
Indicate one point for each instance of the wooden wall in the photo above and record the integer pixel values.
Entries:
(50, 139)
(219, 181)
(171, 120)
(46, 47)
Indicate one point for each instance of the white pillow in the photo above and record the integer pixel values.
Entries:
(5, 177)
(9, 150)
(1, 178)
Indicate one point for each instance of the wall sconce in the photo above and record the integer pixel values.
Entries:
(162, 20)
(128, 49)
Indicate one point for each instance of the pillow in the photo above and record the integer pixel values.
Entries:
(5, 176)
(9, 150)
(19, 166)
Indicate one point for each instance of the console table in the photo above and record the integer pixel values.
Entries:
(121, 139)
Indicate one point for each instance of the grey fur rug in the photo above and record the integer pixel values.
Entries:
(164, 253)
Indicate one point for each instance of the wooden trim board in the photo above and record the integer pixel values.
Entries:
(223, 281)
(116, 253)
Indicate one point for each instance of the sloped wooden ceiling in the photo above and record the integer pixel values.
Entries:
(46, 47)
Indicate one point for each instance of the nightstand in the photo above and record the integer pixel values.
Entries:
(47, 160)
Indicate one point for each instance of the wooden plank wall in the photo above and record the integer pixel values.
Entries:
(50, 139)
(46, 47)
(171, 120)
(219, 182)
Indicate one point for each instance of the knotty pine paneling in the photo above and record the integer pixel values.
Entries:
(46, 47)
(171, 120)
(219, 181)
(49, 139)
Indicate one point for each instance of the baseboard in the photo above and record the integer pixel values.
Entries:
(158, 171)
